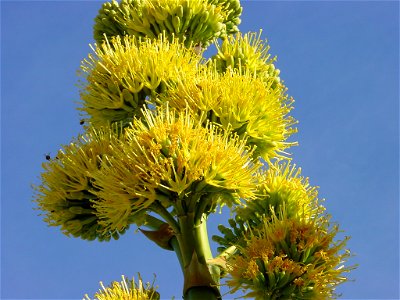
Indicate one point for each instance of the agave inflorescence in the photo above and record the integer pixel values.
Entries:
(126, 290)
(247, 52)
(171, 136)
(125, 73)
(172, 160)
(68, 188)
(239, 102)
(286, 244)
(289, 258)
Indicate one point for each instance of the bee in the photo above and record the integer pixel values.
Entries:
(81, 122)
(47, 156)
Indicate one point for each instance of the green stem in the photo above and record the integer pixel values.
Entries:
(204, 249)
(200, 283)
(192, 205)
(228, 252)
(191, 245)
(159, 209)
(175, 245)
(201, 238)
(200, 209)
(186, 238)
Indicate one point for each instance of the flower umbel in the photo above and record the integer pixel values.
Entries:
(247, 52)
(126, 290)
(281, 188)
(178, 162)
(241, 103)
(125, 72)
(68, 187)
(290, 258)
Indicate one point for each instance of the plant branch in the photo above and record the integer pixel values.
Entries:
(166, 215)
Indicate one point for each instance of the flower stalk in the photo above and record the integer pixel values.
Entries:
(198, 280)
(170, 137)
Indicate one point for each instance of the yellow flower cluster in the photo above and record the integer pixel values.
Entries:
(281, 188)
(172, 159)
(68, 186)
(126, 290)
(173, 135)
(290, 258)
(247, 52)
(241, 103)
(101, 184)
(286, 247)
(124, 73)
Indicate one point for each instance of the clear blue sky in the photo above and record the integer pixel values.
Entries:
(340, 61)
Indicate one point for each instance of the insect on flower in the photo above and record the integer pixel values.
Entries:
(47, 156)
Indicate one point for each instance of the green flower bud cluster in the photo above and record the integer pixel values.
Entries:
(105, 23)
(193, 22)
(231, 9)
(68, 190)
(247, 52)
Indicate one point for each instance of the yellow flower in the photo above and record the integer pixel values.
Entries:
(281, 188)
(126, 290)
(241, 103)
(247, 52)
(68, 187)
(125, 73)
(295, 259)
(178, 162)
(121, 199)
